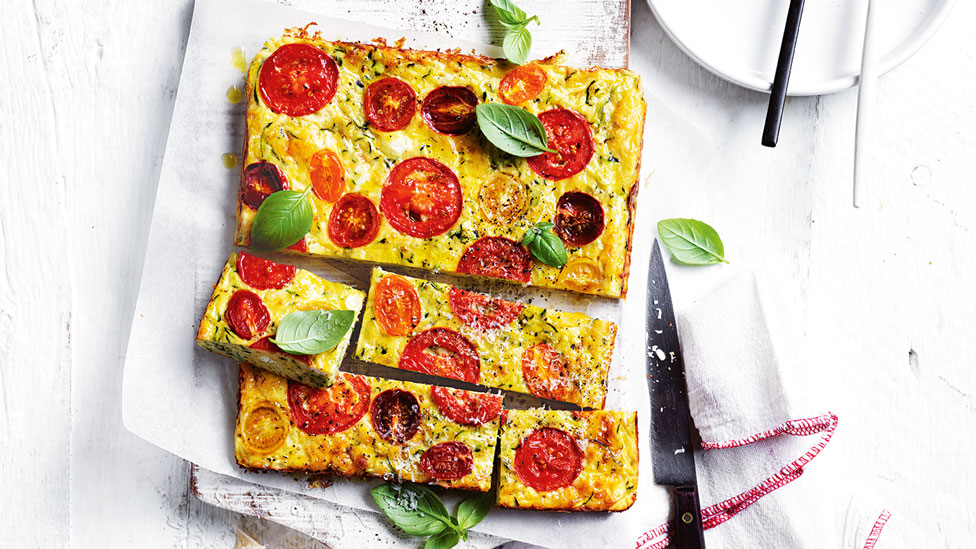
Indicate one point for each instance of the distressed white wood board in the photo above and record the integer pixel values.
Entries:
(87, 118)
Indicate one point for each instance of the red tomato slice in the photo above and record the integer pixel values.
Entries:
(389, 104)
(397, 305)
(421, 198)
(331, 410)
(265, 344)
(547, 373)
(548, 459)
(569, 134)
(263, 274)
(450, 110)
(395, 415)
(497, 257)
(442, 352)
(354, 221)
(482, 312)
(523, 83)
(298, 79)
(327, 175)
(246, 314)
(465, 407)
(258, 181)
(579, 218)
(300, 246)
(447, 461)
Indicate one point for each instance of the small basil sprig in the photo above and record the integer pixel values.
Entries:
(418, 511)
(691, 242)
(282, 220)
(545, 245)
(312, 332)
(518, 40)
(512, 129)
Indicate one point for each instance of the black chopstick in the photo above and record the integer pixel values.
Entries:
(777, 96)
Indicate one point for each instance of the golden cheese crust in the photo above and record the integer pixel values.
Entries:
(502, 196)
(269, 436)
(597, 456)
(556, 355)
(303, 291)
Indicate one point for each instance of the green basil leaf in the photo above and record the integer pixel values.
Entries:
(407, 507)
(508, 13)
(517, 43)
(691, 242)
(512, 129)
(444, 540)
(530, 236)
(546, 246)
(283, 219)
(473, 510)
(313, 332)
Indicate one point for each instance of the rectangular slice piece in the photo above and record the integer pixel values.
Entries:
(393, 132)
(368, 426)
(250, 300)
(442, 330)
(568, 461)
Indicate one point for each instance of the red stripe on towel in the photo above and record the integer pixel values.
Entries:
(877, 528)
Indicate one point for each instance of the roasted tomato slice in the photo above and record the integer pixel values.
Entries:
(264, 428)
(263, 274)
(498, 257)
(331, 410)
(502, 199)
(581, 274)
(246, 314)
(298, 79)
(395, 415)
(389, 104)
(579, 218)
(465, 407)
(442, 352)
(397, 305)
(300, 246)
(354, 221)
(547, 373)
(548, 459)
(265, 344)
(327, 175)
(482, 312)
(421, 198)
(258, 181)
(447, 461)
(569, 134)
(521, 84)
(450, 109)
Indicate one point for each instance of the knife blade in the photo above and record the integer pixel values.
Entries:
(673, 454)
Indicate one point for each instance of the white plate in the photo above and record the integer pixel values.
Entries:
(739, 40)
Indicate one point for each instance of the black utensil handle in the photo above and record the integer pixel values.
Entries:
(777, 97)
(688, 531)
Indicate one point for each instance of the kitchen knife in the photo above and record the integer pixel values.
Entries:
(671, 443)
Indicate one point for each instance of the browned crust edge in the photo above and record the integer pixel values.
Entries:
(632, 210)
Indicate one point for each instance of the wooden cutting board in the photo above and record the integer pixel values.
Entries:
(591, 34)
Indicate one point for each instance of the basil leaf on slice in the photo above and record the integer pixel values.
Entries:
(512, 129)
(400, 504)
(691, 242)
(473, 510)
(282, 220)
(545, 245)
(313, 332)
(443, 540)
(508, 13)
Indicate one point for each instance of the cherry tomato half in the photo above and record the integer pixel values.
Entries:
(331, 410)
(389, 104)
(397, 305)
(258, 181)
(354, 221)
(421, 198)
(521, 84)
(298, 79)
(442, 352)
(579, 218)
(497, 257)
(569, 134)
(450, 110)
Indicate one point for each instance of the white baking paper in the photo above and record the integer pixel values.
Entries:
(183, 399)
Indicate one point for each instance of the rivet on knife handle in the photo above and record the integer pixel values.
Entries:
(688, 531)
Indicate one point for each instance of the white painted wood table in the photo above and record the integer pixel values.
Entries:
(887, 291)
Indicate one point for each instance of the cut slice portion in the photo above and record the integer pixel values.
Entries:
(252, 297)
(365, 426)
(438, 329)
(568, 461)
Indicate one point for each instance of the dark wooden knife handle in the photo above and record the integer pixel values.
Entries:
(688, 530)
